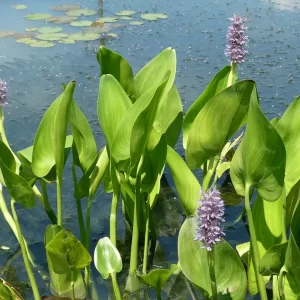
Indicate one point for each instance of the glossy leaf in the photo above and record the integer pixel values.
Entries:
(217, 121)
(114, 64)
(216, 85)
(83, 136)
(187, 186)
(157, 278)
(260, 158)
(112, 106)
(273, 260)
(49, 142)
(66, 252)
(107, 258)
(153, 73)
(230, 274)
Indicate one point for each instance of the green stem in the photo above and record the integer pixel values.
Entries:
(46, 203)
(87, 242)
(158, 294)
(210, 173)
(59, 201)
(115, 286)
(275, 287)
(2, 131)
(33, 284)
(146, 243)
(78, 207)
(212, 274)
(204, 168)
(255, 251)
(284, 237)
(113, 219)
(232, 74)
(10, 221)
(281, 283)
(72, 285)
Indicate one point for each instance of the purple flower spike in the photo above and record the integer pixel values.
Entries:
(3, 92)
(210, 218)
(236, 40)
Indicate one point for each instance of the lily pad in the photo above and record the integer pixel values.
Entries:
(50, 29)
(19, 6)
(115, 25)
(89, 36)
(42, 44)
(110, 34)
(125, 13)
(64, 7)
(67, 41)
(125, 18)
(108, 20)
(81, 12)
(83, 23)
(51, 36)
(26, 41)
(23, 35)
(31, 29)
(136, 23)
(37, 16)
(97, 24)
(7, 33)
(96, 29)
(61, 19)
(153, 17)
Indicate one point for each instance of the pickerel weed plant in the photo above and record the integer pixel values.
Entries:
(141, 118)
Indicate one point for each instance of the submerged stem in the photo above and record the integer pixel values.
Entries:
(33, 284)
(212, 274)
(255, 251)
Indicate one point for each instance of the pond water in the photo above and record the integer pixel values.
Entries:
(197, 30)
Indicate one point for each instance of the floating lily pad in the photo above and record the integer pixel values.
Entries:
(42, 44)
(136, 23)
(50, 29)
(51, 36)
(125, 18)
(115, 25)
(88, 36)
(153, 17)
(61, 19)
(37, 16)
(67, 41)
(110, 34)
(108, 20)
(125, 13)
(83, 23)
(97, 24)
(81, 12)
(64, 7)
(7, 33)
(26, 41)
(31, 29)
(96, 29)
(19, 6)
(23, 35)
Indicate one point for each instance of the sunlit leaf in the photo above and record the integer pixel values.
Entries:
(19, 6)
(108, 20)
(42, 44)
(136, 23)
(37, 16)
(110, 34)
(51, 36)
(31, 29)
(26, 41)
(49, 29)
(81, 12)
(153, 17)
(125, 13)
(82, 23)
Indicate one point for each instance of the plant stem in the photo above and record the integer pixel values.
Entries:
(210, 173)
(204, 168)
(34, 287)
(146, 242)
(158, 294)
(113, 219)
(284, 237)
(59, 200)
(255, 251)
(87, 242)
(2, 131)
(72, 285)
(115, 286)
(281, 283)
(275, 287)
(232, 74)
(78, 207)
(212, 274)
(10, 221)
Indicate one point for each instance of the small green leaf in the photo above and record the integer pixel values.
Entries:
(136, 23)
(49, 29)
(20, 6)
(82, 23)
(51, 36)
(125, 13)
(81, 12)
(61, 19)
(107, 258)
(107, 20)
(42, 44)
(37, 16)
(186, 184)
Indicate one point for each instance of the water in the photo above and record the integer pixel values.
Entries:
(196, 29)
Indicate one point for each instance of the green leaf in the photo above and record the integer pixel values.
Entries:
(112, 106)
(216, 85)
(37, 16)
(260, 158)
(16, 185)
(50, 138)
(83, 136)
(66, 252)
(81, 12)
(89, 36)
(288, 128)
(107, 258)
(217, 121)
(186, 184)
(157, 278)
(273, 260)
(51, 36)
(114, 64)
(153, 73)
(49, 29)
(230, 274)
(292, 201)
